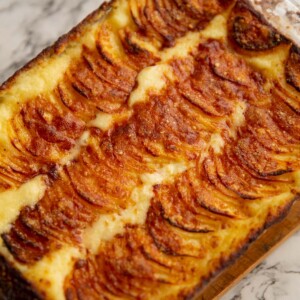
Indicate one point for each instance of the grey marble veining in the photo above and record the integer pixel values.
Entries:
(28, 26)
(277, 278)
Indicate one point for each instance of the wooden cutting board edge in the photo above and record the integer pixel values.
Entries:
(268, 242)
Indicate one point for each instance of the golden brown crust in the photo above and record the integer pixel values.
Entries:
(186, 214)
(166, 20)
(149, 257)
(40, 137)
(249, 31)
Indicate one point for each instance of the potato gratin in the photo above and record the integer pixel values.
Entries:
(145, 150)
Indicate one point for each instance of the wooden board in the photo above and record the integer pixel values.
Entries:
(256, 253)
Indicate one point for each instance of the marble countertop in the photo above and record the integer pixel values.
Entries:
(28, 26)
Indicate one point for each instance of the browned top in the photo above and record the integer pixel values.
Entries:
(185, 216)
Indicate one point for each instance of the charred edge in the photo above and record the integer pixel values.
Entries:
(265, 20)
(292, 68)
(182, 227)
(275, 37)
(13, 286)
(252, 237)
(60, 45)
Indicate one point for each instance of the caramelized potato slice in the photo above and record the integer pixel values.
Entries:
(250, 32)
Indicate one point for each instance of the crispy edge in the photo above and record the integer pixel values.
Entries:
(62, 43)
(13, 286)
(265, 20)
(271, 220)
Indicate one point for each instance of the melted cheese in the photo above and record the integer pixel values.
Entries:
(120, 16)
(184, 46)
(103, 121)
(12, 201)
(238, 118)
(217, 29)
(150, 80)
(106, 121)
(271, 64)
(73, 154)
(217, 143)
(50, 272)
(238, 115)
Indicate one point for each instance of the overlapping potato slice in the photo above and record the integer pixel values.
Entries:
(188, 218)
(182, 175)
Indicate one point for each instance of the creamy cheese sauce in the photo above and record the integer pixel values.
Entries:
(50, 272)
(271, 64)
(150, 80)
(12, 201)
